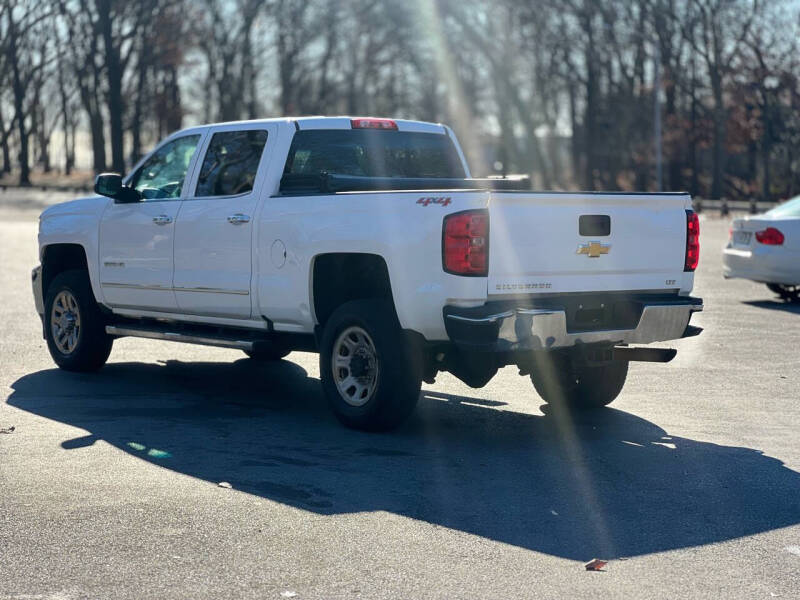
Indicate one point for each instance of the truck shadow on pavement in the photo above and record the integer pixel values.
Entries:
(612, 485)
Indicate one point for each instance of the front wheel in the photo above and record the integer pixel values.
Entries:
(74, 326)
(369, 374)
(561, 379)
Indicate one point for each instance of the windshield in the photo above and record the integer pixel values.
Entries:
(790, 208)
(371, 153)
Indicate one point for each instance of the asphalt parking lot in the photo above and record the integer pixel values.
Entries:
(109, 483)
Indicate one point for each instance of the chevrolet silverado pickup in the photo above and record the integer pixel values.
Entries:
(368, 241)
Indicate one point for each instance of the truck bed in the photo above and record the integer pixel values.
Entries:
(555, 242)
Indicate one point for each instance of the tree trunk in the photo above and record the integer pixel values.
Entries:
(24, 166)
(175, 112)
(694, 186)
(65, 120)
(592, 96)
(4, 133)
(39, 127)
(574, 146)
(114, 77)
(18, 88)
(98, 140)
(670, 113)
(138, 105)
(766, 183)
(589, 125)
(96, 125)
(70, 162)
(718, 157)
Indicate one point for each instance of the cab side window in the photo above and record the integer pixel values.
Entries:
(161, 176)
(231, 163)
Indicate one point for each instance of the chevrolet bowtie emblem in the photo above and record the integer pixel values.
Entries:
(593, 249)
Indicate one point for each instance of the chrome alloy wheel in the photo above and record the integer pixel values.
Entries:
(65, 322)
(355, 366)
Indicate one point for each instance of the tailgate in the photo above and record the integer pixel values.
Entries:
(557, 243)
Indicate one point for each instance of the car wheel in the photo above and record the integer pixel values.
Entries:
(74, 326)
(369, 374)
(562, 379)
(790, 293)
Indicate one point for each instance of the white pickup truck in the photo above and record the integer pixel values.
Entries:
(366, 240)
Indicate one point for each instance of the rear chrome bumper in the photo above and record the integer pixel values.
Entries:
(641, 321)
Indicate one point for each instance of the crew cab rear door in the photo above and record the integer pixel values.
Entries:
(214, 230)
(558, 243)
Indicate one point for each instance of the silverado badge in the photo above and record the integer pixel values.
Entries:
(594, 249)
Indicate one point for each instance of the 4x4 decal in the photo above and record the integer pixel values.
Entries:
(444, 201)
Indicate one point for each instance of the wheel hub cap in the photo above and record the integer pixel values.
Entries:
(355, 366)
(65, 322)
(362, 364)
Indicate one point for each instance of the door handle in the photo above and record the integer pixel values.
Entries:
(162, 220)
(238, 219)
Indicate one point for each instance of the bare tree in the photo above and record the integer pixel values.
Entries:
(118, 23)
(225, 38)
(85, 62)
(26, 58)
(562, 89)
(722, 28)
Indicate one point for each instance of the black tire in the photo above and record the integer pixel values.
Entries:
(397, 373)
(790, 293)
(562, 379)
(93, 344)
(267, 353)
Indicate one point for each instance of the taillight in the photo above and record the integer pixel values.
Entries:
(692, 241)
(465, 243)
(770, 236)
(372, 124)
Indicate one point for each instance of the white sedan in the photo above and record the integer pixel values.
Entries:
(766, 248)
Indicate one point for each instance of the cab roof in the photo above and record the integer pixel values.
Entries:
(320, 122)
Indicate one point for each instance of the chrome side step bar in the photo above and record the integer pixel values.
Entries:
(173, 336)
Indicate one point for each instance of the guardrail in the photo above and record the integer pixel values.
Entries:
(76, 188)
(725, 207)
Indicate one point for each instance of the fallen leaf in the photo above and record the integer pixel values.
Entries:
(596, 564)
(224, 484)
(8, 429)
(793, 550)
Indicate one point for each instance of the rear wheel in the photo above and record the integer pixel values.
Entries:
(369, 374)
(563, 379)
(74, 326)
(790, 293)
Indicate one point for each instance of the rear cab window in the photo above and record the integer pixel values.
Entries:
(231, 163)
(373, 153)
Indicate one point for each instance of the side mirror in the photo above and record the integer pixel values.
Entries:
(110, 185)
